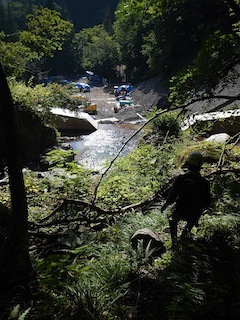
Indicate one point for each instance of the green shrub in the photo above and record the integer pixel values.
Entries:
(40, 99)
(135, 177)
(60, 158)
(167, 123)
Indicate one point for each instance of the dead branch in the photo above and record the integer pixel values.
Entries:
(52, 213)
(223, 171)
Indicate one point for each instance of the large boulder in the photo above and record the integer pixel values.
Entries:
(34, 137)
(149, 239)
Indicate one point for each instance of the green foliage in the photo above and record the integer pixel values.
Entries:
(47, 32)
(97, 50)
(15, 56)
(92, 280)
(73, 181)
(17, 314)
(40, 99)
(222, 228)
(59, 157)
(132, 20)
(217, 55)
(134, 177)
(23, 52)
(102, 284)
(168, 123)
(202, 128)
(166, 36)
(226, 190)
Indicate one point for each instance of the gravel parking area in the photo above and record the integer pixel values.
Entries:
(145, 95)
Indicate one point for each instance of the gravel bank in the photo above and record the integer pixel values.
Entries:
(145, 95)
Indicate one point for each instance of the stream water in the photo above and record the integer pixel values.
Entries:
(96, 149)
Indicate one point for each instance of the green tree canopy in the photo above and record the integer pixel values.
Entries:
(167, 35)
(15, 56)
(97, 50)
(133, 22)
(46, 33)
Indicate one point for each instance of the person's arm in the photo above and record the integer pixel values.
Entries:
(173, 194)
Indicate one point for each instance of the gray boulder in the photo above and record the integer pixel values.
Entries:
(219, 138)
(150, 239)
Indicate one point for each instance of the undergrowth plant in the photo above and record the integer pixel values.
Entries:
(39, 99)
(135, 177)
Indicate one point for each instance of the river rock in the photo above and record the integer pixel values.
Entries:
(219, 138)
(149, 238)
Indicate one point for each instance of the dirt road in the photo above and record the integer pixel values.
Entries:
(106, 103)
(144, 98)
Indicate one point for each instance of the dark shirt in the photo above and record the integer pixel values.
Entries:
(191, 193)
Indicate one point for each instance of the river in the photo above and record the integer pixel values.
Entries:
(101, 146)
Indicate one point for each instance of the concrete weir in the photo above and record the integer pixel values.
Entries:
(222, 121)
(81, 122)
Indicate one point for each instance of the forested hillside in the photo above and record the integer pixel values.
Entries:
(145, 37)
(82, 13)
(87, 13)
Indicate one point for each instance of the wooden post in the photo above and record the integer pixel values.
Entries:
(19, 250)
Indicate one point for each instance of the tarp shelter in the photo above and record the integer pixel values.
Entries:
(128, 87)
(93, 78)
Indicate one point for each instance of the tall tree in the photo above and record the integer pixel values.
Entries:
(97, 50)
(46, 33)
(15, 57)
(16, 262)
(131, 25)
(166, 35)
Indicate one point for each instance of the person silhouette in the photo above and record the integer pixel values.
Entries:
(191, 194)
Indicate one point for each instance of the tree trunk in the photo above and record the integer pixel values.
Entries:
(17, 259)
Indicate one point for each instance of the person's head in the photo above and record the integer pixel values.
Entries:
(194, 161)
